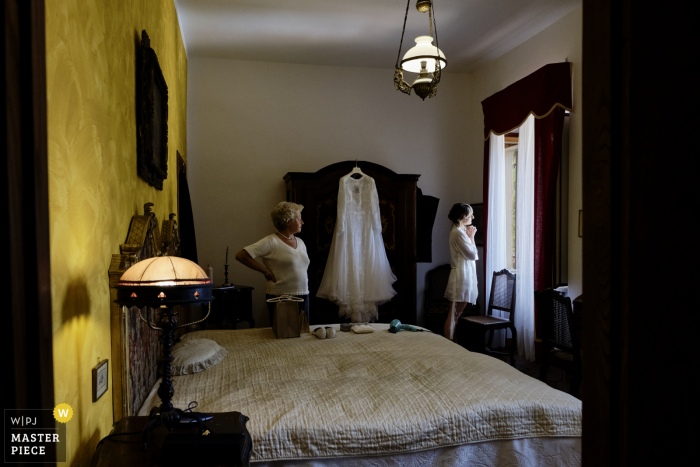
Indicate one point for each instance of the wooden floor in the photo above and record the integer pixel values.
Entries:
(556, 378)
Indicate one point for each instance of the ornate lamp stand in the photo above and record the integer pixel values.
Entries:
(164, 292)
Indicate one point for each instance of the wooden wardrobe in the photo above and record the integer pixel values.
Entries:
(318, 193)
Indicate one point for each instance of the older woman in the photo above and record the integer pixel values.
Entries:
(283, 255)
(461, 285)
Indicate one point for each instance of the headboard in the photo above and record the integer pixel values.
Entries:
(318, 192)
(134, 344)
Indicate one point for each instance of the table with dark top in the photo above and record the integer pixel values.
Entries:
(126, 450)
(231, 305)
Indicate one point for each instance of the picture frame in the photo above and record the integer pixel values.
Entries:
(100, 379)
(580, 223)
(151, 117)
(478, 222)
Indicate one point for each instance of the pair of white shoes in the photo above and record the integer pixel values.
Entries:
(324, 333)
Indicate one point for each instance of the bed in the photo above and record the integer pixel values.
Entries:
(381, 399)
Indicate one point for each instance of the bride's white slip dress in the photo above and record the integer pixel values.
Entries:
(462, 285)
(357, 277)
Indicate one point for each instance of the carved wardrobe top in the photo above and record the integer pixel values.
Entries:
(318, 193)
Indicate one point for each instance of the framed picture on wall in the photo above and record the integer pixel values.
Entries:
(478, 222)
(100, 379)
(151, 117)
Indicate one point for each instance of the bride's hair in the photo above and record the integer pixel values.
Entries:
(458, 212)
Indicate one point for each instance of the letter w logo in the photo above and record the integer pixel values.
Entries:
(62, 412)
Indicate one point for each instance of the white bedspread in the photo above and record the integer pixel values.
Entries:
(371, 394)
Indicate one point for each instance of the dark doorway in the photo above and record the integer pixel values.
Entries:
(640, 116)
(25, 208)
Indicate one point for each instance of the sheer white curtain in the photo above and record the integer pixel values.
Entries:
(496, 256)
(525, 240)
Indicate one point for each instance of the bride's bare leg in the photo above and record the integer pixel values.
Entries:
(451, 322)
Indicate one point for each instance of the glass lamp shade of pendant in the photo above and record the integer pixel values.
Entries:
(423, 51)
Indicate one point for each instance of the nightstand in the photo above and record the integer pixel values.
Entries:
(126, 450)
(231, 305)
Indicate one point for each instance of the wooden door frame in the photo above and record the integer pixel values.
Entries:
(639, 99)
(28, 331)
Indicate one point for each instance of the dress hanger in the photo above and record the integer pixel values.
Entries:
(356, 172)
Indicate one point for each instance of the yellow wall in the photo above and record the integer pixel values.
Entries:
(93, 186)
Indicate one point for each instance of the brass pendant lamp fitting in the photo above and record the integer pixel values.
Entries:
(423, 56)
(423, 5)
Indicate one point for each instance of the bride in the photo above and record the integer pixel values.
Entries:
(357, 277)
(461, 285)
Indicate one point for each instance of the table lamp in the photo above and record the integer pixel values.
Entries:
(162, 283)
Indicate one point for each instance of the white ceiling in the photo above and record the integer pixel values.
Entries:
(360, 33)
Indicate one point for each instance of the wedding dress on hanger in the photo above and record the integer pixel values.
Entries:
(357, 277)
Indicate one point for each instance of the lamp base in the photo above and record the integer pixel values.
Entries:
(166, 414)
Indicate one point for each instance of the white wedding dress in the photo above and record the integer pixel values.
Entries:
(357, 277)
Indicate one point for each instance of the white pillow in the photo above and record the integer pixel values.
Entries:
(195, 355)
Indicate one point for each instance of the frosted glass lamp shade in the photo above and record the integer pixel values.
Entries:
(425, 51)
(163, 281)
(164, 271)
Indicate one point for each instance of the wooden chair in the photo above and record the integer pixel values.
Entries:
(502, 298)
(562, 347)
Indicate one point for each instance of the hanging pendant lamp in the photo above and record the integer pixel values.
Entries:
(424, 58)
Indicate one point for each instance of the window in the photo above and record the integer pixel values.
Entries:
(560, 255)
(511, 142)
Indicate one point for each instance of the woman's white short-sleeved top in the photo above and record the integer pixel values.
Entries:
(289, 265)
(462, 285)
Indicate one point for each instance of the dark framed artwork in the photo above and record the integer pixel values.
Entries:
(100, 379)
(478, 222)
(151, 117)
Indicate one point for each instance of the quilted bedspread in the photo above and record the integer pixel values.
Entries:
(371, 394)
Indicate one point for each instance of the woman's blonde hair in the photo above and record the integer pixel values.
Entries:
(285, 212)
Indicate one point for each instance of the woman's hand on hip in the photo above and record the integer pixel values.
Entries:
(270, 276)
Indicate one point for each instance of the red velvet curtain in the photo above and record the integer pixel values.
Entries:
(548, 139)
(545, 94)
(538, 93)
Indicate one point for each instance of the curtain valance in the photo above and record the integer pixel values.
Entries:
(537, 94)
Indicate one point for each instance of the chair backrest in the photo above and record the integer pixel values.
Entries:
(556, 320)
(502, 293)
